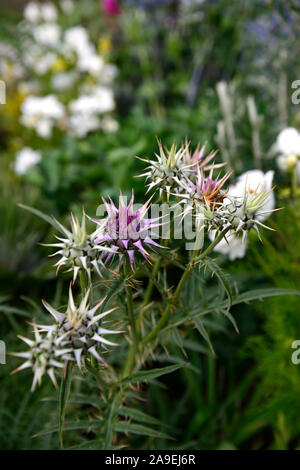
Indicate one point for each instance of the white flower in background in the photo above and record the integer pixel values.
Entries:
(32, 12)
(25, 159)
(91, 63)
(68, 57)
(80, 124)
(288, 141)
(41, 113)
(48, 12)
(86, 109)
(288, 144)
(42, 65)
(63, 80)
(248, 187)
(47, 34)
(91, 104)
(108, 73)
(109, 125)
(234, 245)
(76, 40)
(67, 6)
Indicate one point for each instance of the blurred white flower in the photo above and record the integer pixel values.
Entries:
(67, 6)
(91, 63)
(41, 113)
(25, 159)
(76, 40)
(81, 124)
(234, 245)
(32, 12)
(100, 100)
(47, 34)
(108, 73)
(288, 143)
(48, 11)
(86, 109)
(42, 65)
(109, 125)
(63, 81)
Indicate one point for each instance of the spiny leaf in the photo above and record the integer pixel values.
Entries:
(115, 288)
(231, 319)
(64, 393)
(200, 327)
(257, 294)
(73, 425)
(125, 426)
(262, 294)
(87, 445)
(144, 375)
(43, 216)
(138, 415)
(115, 404)
(222, 277)
(17, 311)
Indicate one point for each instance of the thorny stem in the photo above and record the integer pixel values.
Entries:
(156, 265)
(149, 289)
(168, 310)
(134, 345)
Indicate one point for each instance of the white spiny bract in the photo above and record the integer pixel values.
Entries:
(78, 251)
(47, 353)
(80, 328)
(75, 334)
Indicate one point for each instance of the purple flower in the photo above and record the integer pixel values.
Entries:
(111, 7)
(126, 230)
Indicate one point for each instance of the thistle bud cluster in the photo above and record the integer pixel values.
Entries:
(198, 182)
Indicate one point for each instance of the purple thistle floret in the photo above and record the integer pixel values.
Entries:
(126, 230)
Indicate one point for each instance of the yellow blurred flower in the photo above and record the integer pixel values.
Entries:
(59, 65)
(104, 45)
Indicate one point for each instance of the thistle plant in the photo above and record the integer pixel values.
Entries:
(133, 297)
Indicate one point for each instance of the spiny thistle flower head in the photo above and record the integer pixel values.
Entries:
(193, 160)
(205, 195)
(78, 250)
(164, 172)
(75, 334)
(127, 230)
(47, 353)
(79, 326)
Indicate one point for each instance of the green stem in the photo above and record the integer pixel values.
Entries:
(211, 379)
(294, 185)
(150, 285)
(64, 393)
(168, 310)
(134, 345)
